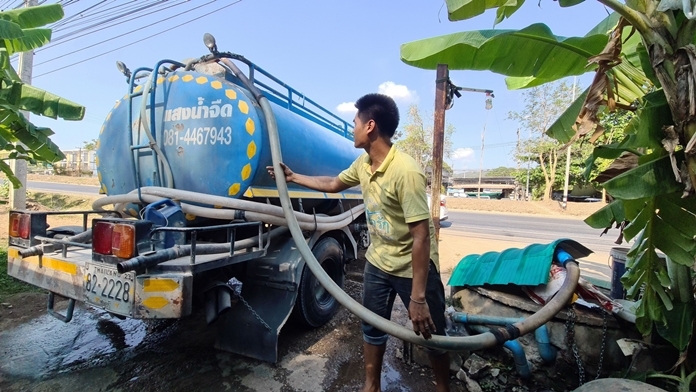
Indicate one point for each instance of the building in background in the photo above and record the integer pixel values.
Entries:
(79, 162)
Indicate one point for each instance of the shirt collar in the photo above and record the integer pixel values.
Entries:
(385, 164)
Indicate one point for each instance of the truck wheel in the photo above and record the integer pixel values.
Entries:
(314, 306)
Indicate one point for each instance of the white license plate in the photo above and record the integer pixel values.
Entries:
(107, 289)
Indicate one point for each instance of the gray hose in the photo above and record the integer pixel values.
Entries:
(239, 204)
(437, 342)
(326, 223)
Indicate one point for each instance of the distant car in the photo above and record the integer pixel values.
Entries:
(443, 207)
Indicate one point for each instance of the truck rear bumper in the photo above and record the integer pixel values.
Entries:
(154, 296)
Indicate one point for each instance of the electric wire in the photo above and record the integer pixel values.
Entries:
(86, 18)
(142, 8)
(123, 35)
(138, 41)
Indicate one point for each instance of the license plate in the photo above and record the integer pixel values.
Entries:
(107, 289)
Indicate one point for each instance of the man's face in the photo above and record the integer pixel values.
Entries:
(361, 131)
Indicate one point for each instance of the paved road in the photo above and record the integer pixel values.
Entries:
(527, 229)
(41, 186)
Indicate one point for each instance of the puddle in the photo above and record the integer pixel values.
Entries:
(45, 344)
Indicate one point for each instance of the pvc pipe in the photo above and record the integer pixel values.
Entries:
(547, 352)
(437, 342)
(521, 363)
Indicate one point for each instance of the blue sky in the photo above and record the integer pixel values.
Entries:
(332, 51)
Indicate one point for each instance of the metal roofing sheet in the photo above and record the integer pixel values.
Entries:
(525, 267)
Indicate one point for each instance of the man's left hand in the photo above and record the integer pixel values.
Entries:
(420, 317)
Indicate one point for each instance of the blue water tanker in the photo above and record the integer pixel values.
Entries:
(203, 132)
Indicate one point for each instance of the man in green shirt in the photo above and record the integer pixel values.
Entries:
(402, 257)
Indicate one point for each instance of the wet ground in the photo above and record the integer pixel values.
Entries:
(97, 352)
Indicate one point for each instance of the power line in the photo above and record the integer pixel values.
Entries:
(108, 20)
(138, 41)
(123, 35)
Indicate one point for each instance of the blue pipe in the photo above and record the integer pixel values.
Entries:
(521, 364)
(546, 351)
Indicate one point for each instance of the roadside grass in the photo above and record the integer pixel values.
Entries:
(60, 202)
(8, 284)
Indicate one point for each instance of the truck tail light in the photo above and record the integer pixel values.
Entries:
(101, 237)
(443, 202)
(123, 241)
(20, 225)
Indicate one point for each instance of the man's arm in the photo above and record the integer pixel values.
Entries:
(318, 183)
(418, 309)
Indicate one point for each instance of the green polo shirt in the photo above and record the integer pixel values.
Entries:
(394, 196)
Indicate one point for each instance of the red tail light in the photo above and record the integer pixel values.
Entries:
(443, 203)
(24, 226)
(101, 237)
(20, 225)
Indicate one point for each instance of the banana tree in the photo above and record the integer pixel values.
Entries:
(22, 30)
(644, 59)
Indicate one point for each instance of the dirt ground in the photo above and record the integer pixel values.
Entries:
(140, 367)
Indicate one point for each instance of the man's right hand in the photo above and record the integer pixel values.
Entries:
(289, 174)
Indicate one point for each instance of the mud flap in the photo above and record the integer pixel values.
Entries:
(270, 289)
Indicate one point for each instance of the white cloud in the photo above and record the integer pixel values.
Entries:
(346, 107)
(397, 91)
(463, 153)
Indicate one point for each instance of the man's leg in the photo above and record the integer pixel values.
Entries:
(435, 296)
(378, 297)
(374, 356)
(441, 363)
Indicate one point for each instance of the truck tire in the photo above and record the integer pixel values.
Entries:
(314, 305)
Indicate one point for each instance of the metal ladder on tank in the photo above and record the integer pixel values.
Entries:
(135, 149)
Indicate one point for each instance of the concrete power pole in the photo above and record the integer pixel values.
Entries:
(18, 197)
(567, 168)
(441, 86)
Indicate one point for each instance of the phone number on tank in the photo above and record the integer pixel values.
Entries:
(198, 136)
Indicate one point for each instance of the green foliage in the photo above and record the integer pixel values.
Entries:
(655, 196)
(542, 107)
(8, 284)
(20, 31)
(416, 139)
(501, 171)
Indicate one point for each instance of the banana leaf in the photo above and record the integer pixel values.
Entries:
(32, 17)
(32, 39)
(46, 104)
(10, 30)
(467, 9)
(650, 179)
(532, 51)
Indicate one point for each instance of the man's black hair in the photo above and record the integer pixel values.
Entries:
(380, 108)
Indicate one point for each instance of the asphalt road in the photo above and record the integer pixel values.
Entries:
(528, 229)
(40, 186)
(525, 228)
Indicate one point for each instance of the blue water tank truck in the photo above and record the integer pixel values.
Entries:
(191, 219)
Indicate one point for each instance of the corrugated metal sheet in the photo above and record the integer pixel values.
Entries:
(525, 267)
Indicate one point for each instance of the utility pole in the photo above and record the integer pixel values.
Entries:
(567, 168)
(483, 133)
(18, 197)
(441, 87)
